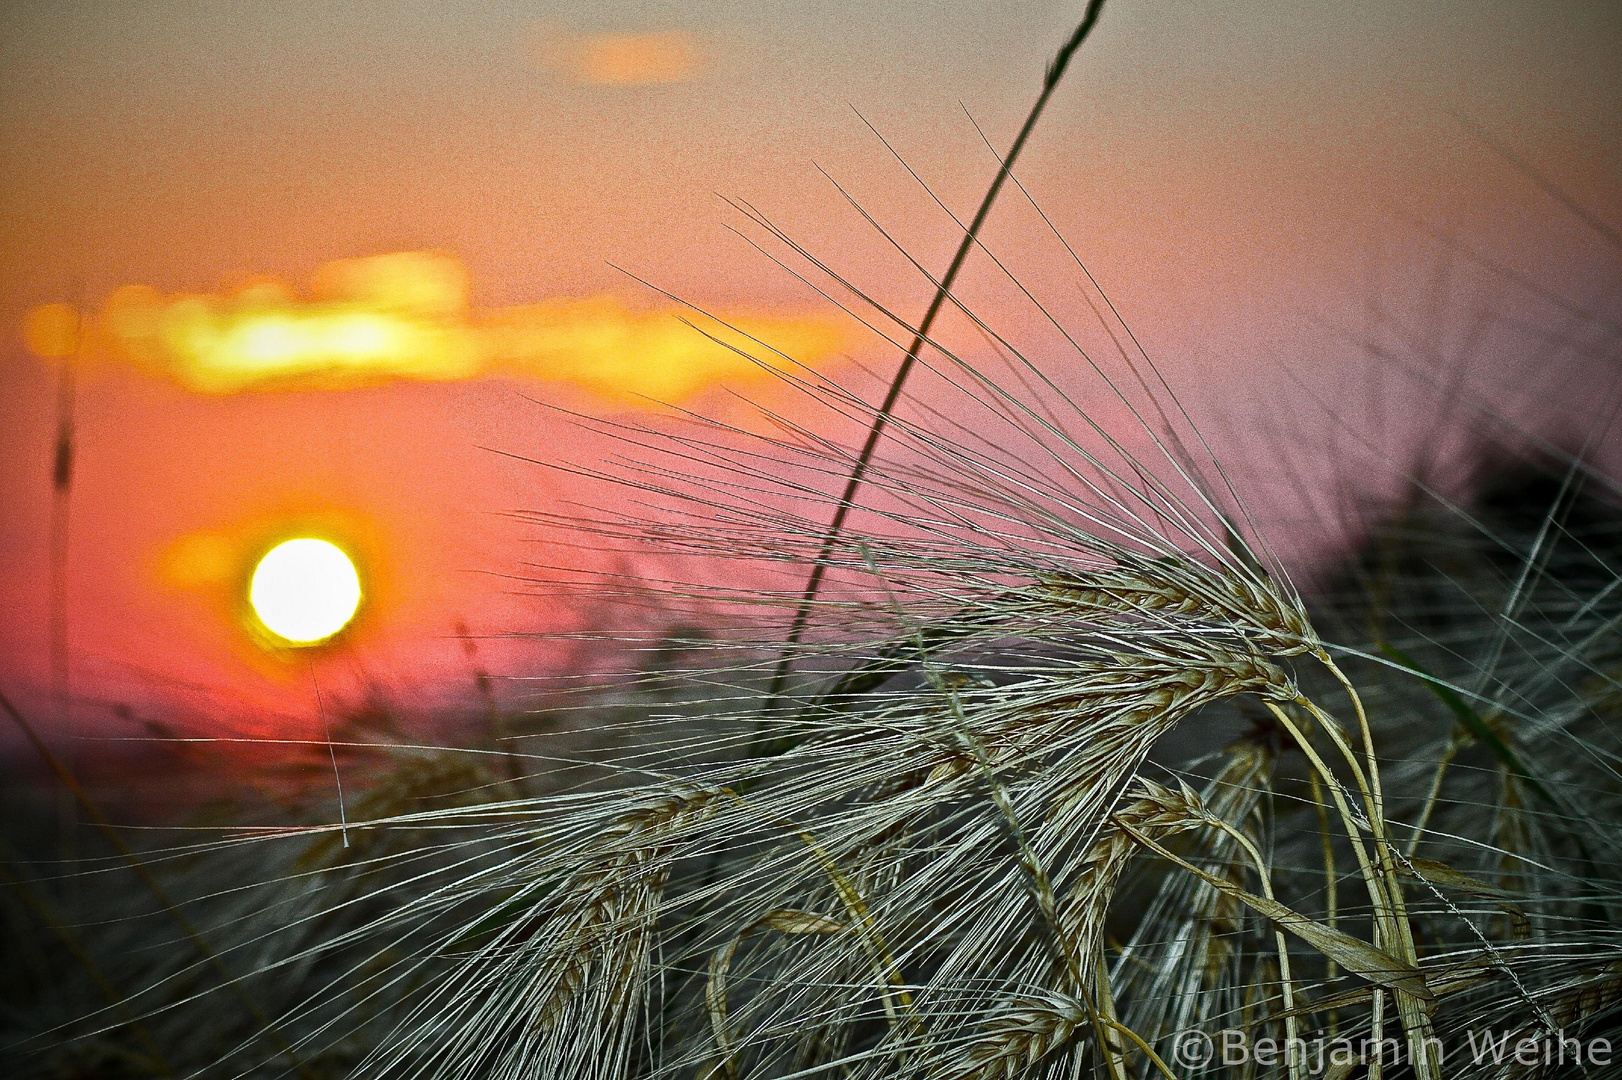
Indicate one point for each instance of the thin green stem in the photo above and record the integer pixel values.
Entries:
(1286, 985)
(1416, 1021)
(1331, 887)
(1431, 798)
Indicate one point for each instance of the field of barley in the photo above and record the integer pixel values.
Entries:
(1049, 716)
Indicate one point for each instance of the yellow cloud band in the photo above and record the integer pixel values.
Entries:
(407, 316)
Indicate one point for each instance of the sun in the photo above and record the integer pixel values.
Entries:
(305, 590)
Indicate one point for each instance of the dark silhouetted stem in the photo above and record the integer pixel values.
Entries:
(1050, 82)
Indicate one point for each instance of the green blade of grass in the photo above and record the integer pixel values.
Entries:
(1472, 722)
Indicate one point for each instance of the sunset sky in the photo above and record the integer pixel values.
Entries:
(439, 207)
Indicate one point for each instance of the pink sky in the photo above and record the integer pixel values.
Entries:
(1245, 180)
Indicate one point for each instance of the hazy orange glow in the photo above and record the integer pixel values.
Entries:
(199, 560)
(408, 315)
(617, 59)
(213, 571)
(52, 330)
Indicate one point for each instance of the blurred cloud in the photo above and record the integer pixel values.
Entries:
(199, 560)
(408, 315)
(665, 56)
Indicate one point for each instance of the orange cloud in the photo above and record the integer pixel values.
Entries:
(408, 316)
(617, 59)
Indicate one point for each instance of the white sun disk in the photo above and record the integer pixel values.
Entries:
(305, 590)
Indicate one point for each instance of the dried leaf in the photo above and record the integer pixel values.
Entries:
(1342, 1069)
(1443, 982)
(790, 921)
(784, 921)
(1356, 956)
(1439, 873)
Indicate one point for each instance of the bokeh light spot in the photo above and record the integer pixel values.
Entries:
(305, 590)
